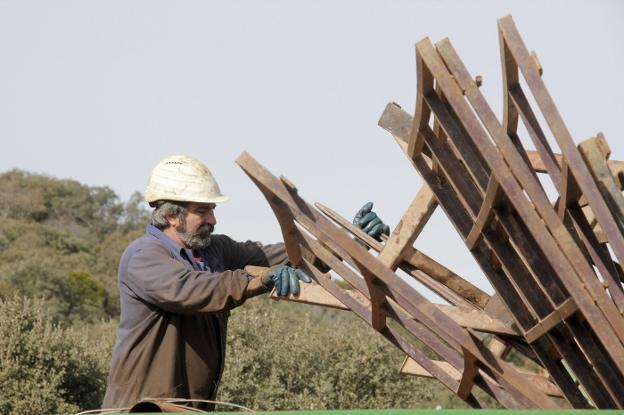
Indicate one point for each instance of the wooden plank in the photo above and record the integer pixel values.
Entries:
(498, 347)
(555, 318)
(600, 256)
(362, 310)
(568, 190)
(567, 271)
(468, 375)
(398, 289)
(462, 222)
(486, 214)
(544, 152)
(315, 294)
(421, 118)
(410, 367)
(594, 152)
(546, 104)
(477, 320)
(414, 258)
(505, 253)
(448, 278)
(398, 123)
(534, 191)
(413, 221)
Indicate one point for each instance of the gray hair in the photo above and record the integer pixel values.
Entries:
(164, 209)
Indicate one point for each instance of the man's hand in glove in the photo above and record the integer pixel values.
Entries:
(370, 223)
(285, 279)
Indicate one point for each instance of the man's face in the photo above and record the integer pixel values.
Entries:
(195, 228)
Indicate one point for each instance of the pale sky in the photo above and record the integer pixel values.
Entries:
(99, 91)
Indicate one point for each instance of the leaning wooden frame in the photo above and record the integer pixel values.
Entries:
(554, 264)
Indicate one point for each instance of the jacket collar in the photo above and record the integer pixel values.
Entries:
(181, 253)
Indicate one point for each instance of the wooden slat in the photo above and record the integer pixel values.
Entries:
(398, 289)
(477, 320)
(546, 104)
(410, 367)
(315, 294)
(561, 313)
(485, 215)
(463, 223)
(468, 375)
(594, 152)
(403, 236)
(540, 202)
(564, 269)
(414, 258)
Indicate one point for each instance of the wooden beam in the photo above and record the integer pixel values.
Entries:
(413, 221)
(410, 367)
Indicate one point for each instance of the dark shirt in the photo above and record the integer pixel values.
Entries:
(172, 330)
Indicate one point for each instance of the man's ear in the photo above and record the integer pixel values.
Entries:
(173, 220)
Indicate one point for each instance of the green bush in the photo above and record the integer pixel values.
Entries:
(285, 356)
(45, 368)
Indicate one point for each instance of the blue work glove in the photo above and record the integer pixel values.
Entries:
(285, 279)
(370, 223)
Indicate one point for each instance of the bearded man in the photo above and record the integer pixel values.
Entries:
(178, 283)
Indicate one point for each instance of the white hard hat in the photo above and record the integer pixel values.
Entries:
(183, 179)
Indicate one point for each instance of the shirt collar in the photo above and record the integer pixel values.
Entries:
(170, 243)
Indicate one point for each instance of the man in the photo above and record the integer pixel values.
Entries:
(178, 284)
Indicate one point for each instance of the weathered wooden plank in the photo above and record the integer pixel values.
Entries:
(411, 300)
(462, 222)
(422, 114)
(534, 191)
(544, 152)
(413, 221)
(411, 367)
(414, 258)
(594, 152)
(555, 318)
(493, 196)
(362, 310)
(468, 375)
(567, 271)
(505, 253)
(547, 106)
(315, 294)
(398, 122)
(477, 320)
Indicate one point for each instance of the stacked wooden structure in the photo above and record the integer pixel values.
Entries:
(553, 262)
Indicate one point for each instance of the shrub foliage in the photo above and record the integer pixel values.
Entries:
(285, 356)
(45, 368)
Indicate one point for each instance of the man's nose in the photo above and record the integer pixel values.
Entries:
(211, 218)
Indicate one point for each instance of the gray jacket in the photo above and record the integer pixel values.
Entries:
(174, 312)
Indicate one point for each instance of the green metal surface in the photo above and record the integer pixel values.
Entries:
(427, 412)
(437, 412)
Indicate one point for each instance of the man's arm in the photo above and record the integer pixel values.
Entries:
(157, 278)
(237, 255)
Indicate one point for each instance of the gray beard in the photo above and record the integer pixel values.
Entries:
(197, 240)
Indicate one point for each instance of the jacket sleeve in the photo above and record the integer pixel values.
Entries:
(238, 255)
(157, 278)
